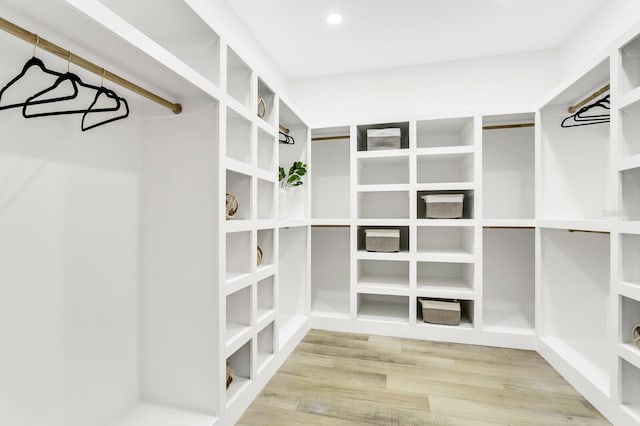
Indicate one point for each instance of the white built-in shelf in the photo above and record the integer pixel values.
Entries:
(630, 66)
(266, 346)
(439, 169)
(330, 271)
(445, 132)
(629, 316)
(238, 320)
(577, 225)
(240, 185)
(238, 137)
(239, 79)
(630, 352)
(383, 205)
(445, 222)
(630, 258)
(337, 222)
(629, 99)
(236, 388)
(238, 246)
(267, 145)
(382, 275)
(629, 388)
(269, 98)
(372, 255)
(331, 176)
(149, 414)
(385, 171)
(630, 183)
(445, 151)
(630, 290)
(383, 188)
(629, 163)
(265, 299)
(266, 200)
(630, 126)
(456, 256)
(447, 241)
(332, 304)
(449, 280)
(508, 318)
(383, 308)
(240, 361)
(509, 223)
(383, 154)
(446, 186)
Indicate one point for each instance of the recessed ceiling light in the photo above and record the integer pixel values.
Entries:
(334, 18)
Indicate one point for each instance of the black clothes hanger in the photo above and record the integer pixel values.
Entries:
(109, 93)
(583, 118)
(75, 81)
(35, 62)
(288, 140)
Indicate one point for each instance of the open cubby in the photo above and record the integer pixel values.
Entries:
(404, 132)
(630, 387)
(268, 97)
(444, 276)
(240, 362)
(467, 207)
(466, 314)
(404, 236)
(383, 205)
(445, 132)
(293, 262)
(331, 178)
(265, 298)
(240, 185)
(630, 71)
(239, 79)
(576, 300)
(630, 181)
(629, 318)
(266, 243)
(508, 169)
(193, 41)
(508, 281)
(383, 308)
(630, 130)
(266, 200)
(238, 137)
(238, 313)
(266, 151)
(330, 270)
(383, 273)
(575, 160)
(630, 258)
(445, 168)
(383, 170)
(238, 249)
(445, 239)
(266, 345)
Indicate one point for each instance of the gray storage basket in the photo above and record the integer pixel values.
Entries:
(444, 206)
(381, 139)
(382, 240)
(443, 312)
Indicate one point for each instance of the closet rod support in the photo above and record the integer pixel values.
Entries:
(508, 126)
(602, 91)
(56, 50)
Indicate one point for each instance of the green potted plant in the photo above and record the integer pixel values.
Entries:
(288, 182)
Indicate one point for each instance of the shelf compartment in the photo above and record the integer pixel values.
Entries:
(445, 241)
(293, 279)
(383, 170)
(265, 295)
(238, 137)
(387, 274)
(266, 200)
(238, 314)
(629, 317)
(508, 169)
(445, 168)
(445, 132)
(383, 205)
(576, 268)
(238, 249)
(630, 182)
(239, 79)
(193, 41)
(266, 338)
(267, 151)
(630, 70)
(383, 308)
(509, 279)
(240, 362)
(466, 315)
(330, 270)
(630, 130)
(267, 244)
(630, 258)
(630, 388)
(404, 138)
(445, 279)
(268, 96)
(331, 179)
(467, 207)
(404, 238)
(240, 185)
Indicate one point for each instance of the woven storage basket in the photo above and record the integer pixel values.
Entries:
(382, 240)
(444, 312)
(232, 205)
(444, 206)
(381, 139)
(229, 375)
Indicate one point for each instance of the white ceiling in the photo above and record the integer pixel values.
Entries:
(377, 34)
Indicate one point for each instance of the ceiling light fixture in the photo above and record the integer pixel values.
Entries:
(334, 19)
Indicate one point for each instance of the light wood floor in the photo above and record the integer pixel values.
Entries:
(353, 379)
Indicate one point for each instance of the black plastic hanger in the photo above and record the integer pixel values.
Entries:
(288, 140)
(583, 118)
(90, 110)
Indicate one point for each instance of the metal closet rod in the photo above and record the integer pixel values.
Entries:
(54, 49)
(589, 98)
(589, 232)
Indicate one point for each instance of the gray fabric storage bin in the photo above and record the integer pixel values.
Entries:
(444, 206)
(382, 240)
(381, 139)
(440, 311)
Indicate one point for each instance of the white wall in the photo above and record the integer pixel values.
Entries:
(500, 83)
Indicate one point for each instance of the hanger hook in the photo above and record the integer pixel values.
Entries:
(35, 46)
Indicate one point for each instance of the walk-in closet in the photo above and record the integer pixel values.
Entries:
(221, 212)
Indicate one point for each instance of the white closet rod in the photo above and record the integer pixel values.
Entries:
(52, 48)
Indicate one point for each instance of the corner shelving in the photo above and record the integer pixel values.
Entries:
(383, 205)
(630, 69)
(330, 271)
(383, 170)
(383, 276)
(445, 132)
(455, 242)
(374, 307)
(239, 77)
(445, 168)
(445, 280)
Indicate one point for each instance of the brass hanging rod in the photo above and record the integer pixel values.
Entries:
(283, 128)
(329, 138)
(589, 232)
(509, 227)
(67, 55)
(508, 126)
(591, 97)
